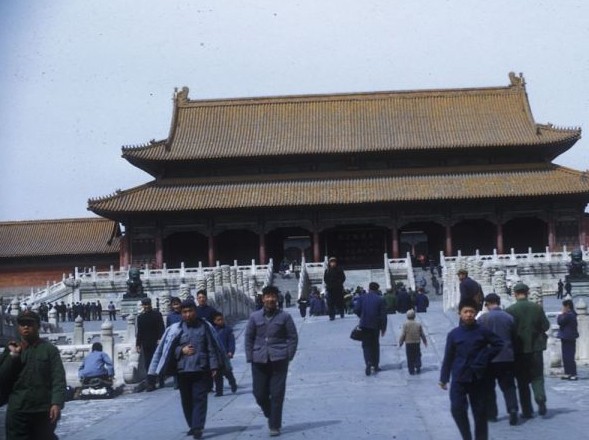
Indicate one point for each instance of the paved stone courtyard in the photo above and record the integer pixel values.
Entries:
(328, 396)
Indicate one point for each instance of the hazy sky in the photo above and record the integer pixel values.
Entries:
(79, 79)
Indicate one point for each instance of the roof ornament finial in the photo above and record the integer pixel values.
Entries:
(181, 96)
(517, 81)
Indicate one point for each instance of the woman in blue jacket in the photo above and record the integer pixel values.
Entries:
(568, 334)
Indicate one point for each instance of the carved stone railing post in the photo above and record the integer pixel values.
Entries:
(165, 304)
(131, 330)
(79, 331)
(583, 328)
(14, 307)
(536, 293)
(107, 339)
(53, 317)
(201, 283)
(184, 291)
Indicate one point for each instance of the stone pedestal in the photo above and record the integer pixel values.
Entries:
(580, 287)
(130, 306)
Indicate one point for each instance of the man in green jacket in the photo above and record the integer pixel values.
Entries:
(531, 326)
(38, 383)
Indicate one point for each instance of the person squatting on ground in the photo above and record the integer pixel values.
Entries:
(150, 327)
(32, 379)
(227, 339)
(271, 341)
(412, 335)
(469, 348)
(96, 364)
(531, 325)
(568, 334)
(372, 310)
(334, 278)
(501, 367)
(190, 349)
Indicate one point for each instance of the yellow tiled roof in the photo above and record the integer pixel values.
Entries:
(192, 195)
(361, 122)
(79, 236)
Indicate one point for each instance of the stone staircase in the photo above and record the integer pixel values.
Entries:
(290, 284)
(362, 278)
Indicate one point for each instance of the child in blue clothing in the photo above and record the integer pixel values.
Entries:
(469, 349)
(227, 338)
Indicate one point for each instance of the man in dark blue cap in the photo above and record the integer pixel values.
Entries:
(198, 360)
(150, 327)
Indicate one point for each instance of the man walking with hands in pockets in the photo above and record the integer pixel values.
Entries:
(270, 344)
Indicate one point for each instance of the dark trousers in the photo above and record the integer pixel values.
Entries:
(413, 352)
(502, 373)
(29, 426)
(335, 304)
(148, 351)
(529, 370)
(194, 394)
(269, 388)
(219, 380)
(461, 394)
(371, 347)
(569, 348)
(303, 311)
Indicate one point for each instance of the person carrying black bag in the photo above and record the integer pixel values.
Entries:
(372, 310)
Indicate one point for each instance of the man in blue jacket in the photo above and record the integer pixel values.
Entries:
(469, 349)
(372, 310)
(270, 344)
(469, 288)
(197, 362)
(96, 364)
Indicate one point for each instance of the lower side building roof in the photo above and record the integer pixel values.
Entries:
(180, 195)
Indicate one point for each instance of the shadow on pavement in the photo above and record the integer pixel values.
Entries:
(309, 425)
(554, 412)
(214, 432)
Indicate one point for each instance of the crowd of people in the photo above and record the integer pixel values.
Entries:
(89, 311)
(195, 345)
(494, 346)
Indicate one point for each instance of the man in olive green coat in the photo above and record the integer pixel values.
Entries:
(38, 384)
(531, 326)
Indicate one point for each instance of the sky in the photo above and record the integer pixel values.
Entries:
(81, 79)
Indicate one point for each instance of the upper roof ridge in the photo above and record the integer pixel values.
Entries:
(181, 98)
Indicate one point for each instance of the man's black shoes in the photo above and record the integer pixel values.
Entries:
(542, 408)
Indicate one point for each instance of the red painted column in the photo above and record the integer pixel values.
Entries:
(499, 237)
(159, 249)
(448, 240)
(394, 242)
(551, 235)
(316, 252)
(582, 232)
(124, 251)
(211, 250)
(262, 250)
